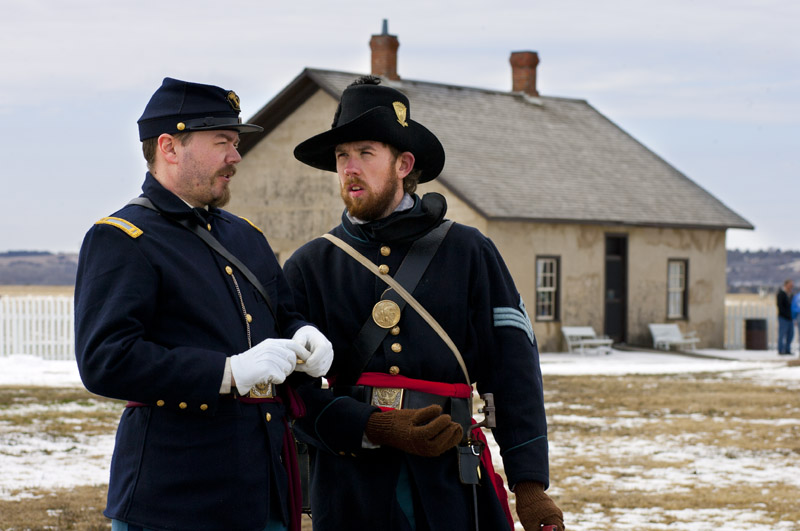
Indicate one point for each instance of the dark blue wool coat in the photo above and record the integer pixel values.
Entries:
(156, 316)
(469, 291)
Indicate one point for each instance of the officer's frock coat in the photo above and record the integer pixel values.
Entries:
(157, 312)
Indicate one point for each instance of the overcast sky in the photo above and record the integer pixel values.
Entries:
(713, 87)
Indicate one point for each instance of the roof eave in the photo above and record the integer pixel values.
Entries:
(279, 108)
(616, 222)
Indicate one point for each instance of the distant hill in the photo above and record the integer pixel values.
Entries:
(748, 271)
(38, 268)
(754, 271)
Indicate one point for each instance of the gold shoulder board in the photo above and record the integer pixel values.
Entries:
(252, 224)
(125, 226)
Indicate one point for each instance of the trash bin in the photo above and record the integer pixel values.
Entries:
(755, 334)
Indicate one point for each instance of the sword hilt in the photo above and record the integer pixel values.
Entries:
(488, 409)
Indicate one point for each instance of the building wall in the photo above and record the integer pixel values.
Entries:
(294, 203)
(581, 252)
(289, 201)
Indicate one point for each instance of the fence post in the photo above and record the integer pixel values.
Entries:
(39, 326)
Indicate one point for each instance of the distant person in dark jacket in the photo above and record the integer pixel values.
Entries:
(796, 311)
(785, 324)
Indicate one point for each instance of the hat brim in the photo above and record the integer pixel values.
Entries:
(241, 128)
(379, 124)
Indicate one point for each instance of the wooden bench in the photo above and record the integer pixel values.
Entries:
(583, 337)
(667, 335)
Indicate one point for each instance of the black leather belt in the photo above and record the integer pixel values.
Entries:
(398, 398)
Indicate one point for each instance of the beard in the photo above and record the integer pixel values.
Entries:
(375, 204)
(223, 199)
(204, 188)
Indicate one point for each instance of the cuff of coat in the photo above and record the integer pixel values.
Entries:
(527, 461)
(340, 426)
(225, 388)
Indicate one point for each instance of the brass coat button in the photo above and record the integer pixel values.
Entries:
(269, 417)
(395, 331)
(183, 405)
(397, 347)
(383, 268)
(248, 318)
(394, 370)
(203, 407)
(181, 126)
(385, 251)
(342, 454)
(160, 403)
(229, 270)
(209, 226)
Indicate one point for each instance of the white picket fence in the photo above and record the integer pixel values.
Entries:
(736, 312)
(37, 325)
(43, 326)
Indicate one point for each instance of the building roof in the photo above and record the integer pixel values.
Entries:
(514, 157)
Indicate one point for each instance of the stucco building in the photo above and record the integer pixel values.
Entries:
(596, 229)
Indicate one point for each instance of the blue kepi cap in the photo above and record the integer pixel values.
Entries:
(181, 106)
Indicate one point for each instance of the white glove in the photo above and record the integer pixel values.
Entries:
(318, 355)
(271, 361)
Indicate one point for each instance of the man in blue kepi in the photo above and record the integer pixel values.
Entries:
(182, 310)
(393, 439)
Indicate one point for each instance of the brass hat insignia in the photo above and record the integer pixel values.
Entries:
(233, 99)
(400, 111)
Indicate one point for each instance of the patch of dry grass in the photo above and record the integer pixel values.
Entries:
(21, 291)
(77, 508)
(60, 412)
(632, 447)
(617, 438)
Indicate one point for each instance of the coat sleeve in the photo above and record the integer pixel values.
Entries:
(509, 369)
(116, 295)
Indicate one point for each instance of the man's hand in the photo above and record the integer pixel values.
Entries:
(535, 508)
(424, 432)
(318, 351)
(271, 361)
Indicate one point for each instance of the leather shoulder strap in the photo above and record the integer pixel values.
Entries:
(220, 249)
(397, 287)
(408, 275)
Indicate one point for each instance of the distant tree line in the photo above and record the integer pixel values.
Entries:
(38, 268)
(747, 271)
(754, 271)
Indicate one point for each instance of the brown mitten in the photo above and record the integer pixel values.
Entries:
(424, 432)
(535, 508)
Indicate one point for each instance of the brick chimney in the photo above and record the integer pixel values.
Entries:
(384, 53)
(523, 72)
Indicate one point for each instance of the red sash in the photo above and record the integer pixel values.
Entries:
(457, 390)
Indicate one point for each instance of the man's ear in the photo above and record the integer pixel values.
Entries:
(405, 163)
(167, 147)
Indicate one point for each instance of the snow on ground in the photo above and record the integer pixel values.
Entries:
(706, 360)
(23, 370)
(32, 459)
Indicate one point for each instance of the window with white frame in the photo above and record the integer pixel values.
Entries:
(547, 288)
(676, 289)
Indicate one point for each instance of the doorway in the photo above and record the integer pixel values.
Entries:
(616, 287)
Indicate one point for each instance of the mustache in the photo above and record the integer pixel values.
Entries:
(350, 182)
(228, 170)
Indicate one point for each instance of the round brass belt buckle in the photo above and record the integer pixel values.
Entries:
(386, 313)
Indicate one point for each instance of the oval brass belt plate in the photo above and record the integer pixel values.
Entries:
(386, 313)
